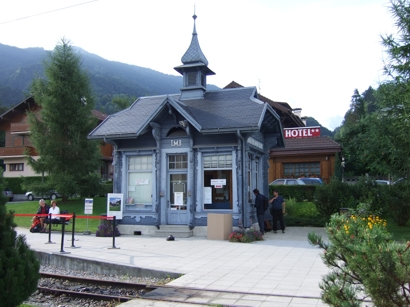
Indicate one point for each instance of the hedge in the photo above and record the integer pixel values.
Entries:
(300, 192)
(16, 183)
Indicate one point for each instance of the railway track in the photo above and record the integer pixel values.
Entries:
(91, 289)
(66, 290)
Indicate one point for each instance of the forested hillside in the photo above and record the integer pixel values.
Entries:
(108, 79)
(311, 122)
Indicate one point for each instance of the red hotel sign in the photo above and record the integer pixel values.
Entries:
(305, 132)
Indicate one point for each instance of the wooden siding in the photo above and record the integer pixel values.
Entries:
(106, 150)
(17, 151)
(17, 128)
(327, 165)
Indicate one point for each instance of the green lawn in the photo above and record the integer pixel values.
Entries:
(308, 209)
(72, 206)
(401, 234)
(300, 209)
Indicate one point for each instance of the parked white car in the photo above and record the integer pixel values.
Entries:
(382, 182)
(287, 181)
(51, 195)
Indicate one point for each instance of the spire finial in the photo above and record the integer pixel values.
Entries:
(194, 17)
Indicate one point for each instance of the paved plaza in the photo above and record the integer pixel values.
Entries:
(282, 270)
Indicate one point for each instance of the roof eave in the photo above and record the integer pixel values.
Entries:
(230, 130)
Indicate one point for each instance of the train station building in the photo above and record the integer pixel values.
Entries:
(181, 156)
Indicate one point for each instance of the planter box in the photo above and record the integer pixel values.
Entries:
(219, 226)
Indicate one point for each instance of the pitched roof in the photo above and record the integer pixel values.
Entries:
(29, 102)
(99, 115)
(219, 110)
(307, 145)
(283, 108)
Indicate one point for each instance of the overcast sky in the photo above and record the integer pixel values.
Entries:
(309, 53)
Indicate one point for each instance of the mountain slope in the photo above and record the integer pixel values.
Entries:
(108, 78)
(311, 122)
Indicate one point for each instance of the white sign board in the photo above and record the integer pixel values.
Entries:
(178, 198)
(115, 204)
(141, 181)
(218, 182)
(88, 206)
(207, 195)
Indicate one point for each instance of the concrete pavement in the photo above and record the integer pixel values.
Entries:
(282, 270)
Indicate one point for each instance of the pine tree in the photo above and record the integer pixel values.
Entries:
(19, 266)
(59, 134)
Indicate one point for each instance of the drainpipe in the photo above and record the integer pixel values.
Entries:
(116, 188)
(156, 133)
(241, 147)
(192, 180)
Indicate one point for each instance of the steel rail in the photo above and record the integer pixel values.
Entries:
(110, 283)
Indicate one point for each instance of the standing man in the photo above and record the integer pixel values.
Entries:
(278, 209)
(260, 210)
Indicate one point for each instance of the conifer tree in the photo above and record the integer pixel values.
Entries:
(19, 266)
(59, 134)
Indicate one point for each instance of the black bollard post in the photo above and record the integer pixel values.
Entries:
(49, 230)
(62, 237)
(72, 234)
(113, 234)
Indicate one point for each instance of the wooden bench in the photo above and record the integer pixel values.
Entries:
(58, 221)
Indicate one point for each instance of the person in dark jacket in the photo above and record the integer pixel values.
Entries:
(278, 209)
(260, 212)
(43, 209)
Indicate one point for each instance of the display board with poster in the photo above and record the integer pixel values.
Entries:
(115, 202)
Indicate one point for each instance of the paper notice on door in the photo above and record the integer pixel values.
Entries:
(207, 195)
(178, 198)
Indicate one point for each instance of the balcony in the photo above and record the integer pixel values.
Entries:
(19, 128)
(17, 151)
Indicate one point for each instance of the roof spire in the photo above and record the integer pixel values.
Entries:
(194, 69)
(194, 53)
(194, 17)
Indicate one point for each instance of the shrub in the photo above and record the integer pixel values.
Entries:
(365, 263)
(15, 184)
(256, 235)
(399, 203)
(303, 221)
(290, 205)
(19, 266)
(105, 230)
(299, 192)
(329, 198)
(373, 194)
(245, 236)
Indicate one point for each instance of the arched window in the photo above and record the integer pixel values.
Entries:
(176, 132)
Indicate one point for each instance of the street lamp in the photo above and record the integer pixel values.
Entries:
(343, 167)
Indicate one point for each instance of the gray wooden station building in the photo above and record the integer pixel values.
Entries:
(181, 156)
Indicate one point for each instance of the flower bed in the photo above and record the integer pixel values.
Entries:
(245, 236)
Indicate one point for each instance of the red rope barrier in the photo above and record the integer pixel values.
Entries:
(93, 217)
(67, 216)
(25, 214)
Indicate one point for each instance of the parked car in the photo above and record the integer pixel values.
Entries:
(401, 180)
(382, 182)
(51, 195)
(312, 181)
(287, 181)
(8, 193)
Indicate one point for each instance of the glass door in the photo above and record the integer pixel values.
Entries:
(177, 199)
